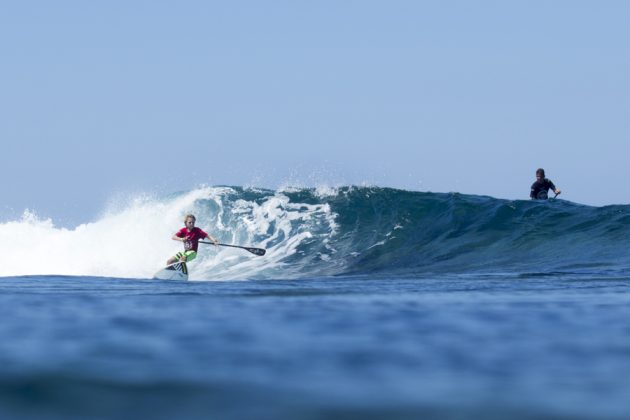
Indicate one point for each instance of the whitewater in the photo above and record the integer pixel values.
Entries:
(132, 240)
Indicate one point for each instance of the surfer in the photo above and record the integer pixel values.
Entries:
(190, 236)
(541, 187)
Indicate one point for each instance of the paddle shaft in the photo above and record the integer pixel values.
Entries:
(257, 251)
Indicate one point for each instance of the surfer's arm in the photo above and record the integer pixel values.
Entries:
(211, 239)
(177, 238)
(535, 189)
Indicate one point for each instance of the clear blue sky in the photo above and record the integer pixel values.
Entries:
(105, 98)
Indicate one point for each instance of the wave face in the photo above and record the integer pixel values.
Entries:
(354, 231)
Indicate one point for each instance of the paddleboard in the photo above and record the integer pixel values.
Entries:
(177, 271)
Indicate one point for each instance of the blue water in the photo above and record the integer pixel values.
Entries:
(414, 305)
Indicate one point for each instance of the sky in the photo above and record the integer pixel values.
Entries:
(107, 99)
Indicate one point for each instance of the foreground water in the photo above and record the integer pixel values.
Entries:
(442, 346)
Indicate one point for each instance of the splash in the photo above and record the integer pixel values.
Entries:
(132, 240)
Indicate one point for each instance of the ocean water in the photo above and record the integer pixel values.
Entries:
(370, 303)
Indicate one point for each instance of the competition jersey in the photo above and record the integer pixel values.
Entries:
(192, 237)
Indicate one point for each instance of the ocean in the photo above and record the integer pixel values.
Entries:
(371, 303)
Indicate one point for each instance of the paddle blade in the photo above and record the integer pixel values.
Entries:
(256, 251)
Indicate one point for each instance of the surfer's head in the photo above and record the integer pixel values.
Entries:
(540, 173)
(190, 220)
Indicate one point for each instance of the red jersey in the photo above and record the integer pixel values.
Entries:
(192, 237)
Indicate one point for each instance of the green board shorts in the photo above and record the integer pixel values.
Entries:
(190, 255)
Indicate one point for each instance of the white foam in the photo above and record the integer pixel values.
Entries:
(133, 239)
(282, 225)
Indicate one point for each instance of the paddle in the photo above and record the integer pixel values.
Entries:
(255, 251)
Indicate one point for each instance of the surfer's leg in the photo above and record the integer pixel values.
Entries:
(190, 255)
(174, 258)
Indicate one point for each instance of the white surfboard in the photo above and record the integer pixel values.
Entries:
(177, 271)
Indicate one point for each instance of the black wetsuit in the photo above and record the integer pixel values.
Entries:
(540, 189)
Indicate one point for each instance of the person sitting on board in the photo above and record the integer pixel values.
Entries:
(190, 236)
(541, 187)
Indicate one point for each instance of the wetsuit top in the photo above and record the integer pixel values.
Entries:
(192, 237)
(539, 187)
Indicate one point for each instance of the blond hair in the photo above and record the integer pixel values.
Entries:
(190, 216)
